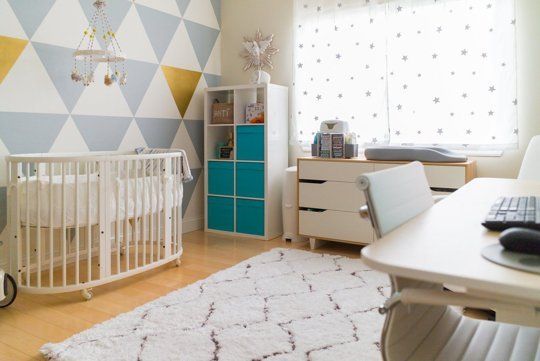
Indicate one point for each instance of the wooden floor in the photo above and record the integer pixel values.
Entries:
(34, 319)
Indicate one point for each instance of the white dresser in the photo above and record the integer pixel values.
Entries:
(328, 198)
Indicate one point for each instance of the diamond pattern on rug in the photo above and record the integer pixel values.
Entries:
(283, 305)
(282, 309)
(320, 332)
(251, 342)
(237, 311)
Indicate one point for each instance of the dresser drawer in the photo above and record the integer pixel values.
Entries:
(336, 225)
(340, 171)
(338, 196)
(438, 176)
(382, 166)
(445, 176)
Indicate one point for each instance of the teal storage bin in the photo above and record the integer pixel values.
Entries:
(221, 178)
(221, 213)
(250, 217)
(250, 180)
(250, 142)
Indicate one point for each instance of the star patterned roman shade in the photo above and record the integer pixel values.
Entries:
(419, 72)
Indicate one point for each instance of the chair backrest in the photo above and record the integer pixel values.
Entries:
(530, 167)
(395, 195)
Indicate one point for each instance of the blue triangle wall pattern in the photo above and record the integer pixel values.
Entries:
(102, 118)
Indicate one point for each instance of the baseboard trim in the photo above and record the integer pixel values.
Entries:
(192, 224)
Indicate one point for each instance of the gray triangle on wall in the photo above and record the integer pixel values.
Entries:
(212, 79)
(102, 133)
(160, 28)
(189, 188)
(158, 132)
(116, 12)
(182, 5)
(136, 87)
(216, 4)
(30, 132)
(31, 13)
(203, 39)
(195, 129)
(58, 61)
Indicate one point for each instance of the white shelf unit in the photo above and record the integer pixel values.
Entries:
(274, 162)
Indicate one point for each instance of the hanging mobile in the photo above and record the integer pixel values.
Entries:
(87, 56)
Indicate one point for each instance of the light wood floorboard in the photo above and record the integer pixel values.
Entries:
(36, 319)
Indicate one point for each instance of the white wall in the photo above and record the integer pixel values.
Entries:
(243, 17)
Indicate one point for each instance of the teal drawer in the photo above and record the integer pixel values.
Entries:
(250, 217)
(250, 180)
(221, 213)
(221, 178)
(250, 142)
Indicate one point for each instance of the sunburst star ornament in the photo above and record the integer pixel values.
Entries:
(258, 52)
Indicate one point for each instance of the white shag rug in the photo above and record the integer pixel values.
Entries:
(286, 305)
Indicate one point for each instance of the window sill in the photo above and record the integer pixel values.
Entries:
(482, 153)
(468, 153)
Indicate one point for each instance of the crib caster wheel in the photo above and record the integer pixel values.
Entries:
(178, 262)
(87, 294)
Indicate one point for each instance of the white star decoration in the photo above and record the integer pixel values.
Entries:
(258, 51)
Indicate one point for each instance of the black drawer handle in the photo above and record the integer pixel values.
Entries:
(312, 181)
(441, 189)
(314, 210)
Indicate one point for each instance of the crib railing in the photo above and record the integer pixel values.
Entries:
(81, 220)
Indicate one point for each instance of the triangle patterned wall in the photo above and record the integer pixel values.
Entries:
(172, 48)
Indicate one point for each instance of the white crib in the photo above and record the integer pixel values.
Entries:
(78, 221)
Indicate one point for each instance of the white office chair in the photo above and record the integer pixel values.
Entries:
(420, 325)
(530, 167)
(395, 195)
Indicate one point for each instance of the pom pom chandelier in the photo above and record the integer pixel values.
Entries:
(86, 57)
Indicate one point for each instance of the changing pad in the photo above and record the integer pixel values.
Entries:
(422, 154)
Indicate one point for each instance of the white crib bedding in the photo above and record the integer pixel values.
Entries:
(147, 192)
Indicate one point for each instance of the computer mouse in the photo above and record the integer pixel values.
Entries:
(521, 240)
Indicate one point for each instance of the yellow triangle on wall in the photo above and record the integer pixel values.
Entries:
(10, 49)
(182, 84)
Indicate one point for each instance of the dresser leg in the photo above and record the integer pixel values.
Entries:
(315, 243)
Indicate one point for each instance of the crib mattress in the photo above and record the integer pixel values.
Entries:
(144, 196)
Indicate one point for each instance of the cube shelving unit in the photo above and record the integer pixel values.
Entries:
(243, 194)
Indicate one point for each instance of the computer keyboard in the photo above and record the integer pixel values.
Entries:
(508, 212)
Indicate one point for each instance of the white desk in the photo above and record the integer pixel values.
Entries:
(443, 246)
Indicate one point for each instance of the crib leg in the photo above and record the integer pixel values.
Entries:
(87, 294)
(178, 262)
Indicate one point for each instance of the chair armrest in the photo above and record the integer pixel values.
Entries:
(410, 296)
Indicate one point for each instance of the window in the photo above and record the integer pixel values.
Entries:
(418, 72)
